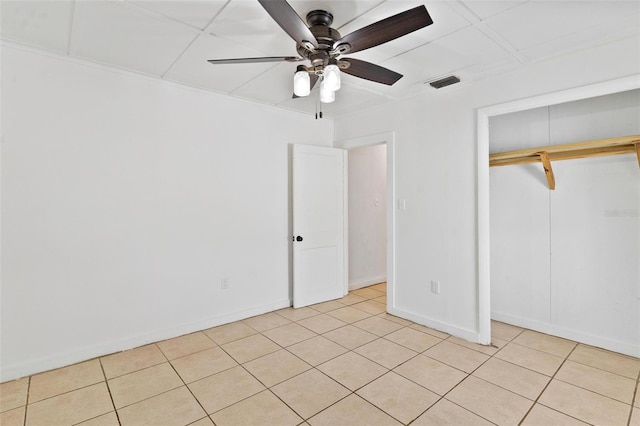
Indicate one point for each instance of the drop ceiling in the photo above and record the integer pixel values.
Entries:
(172, 40)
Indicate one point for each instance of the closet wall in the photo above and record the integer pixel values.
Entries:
(567, 262)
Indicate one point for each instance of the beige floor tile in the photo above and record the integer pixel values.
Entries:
(289, 334)
(606, 360)
(185, 345)
(349, 314)
(532, 359)
(325, 307)
(13, 394)
(109, 419)
(226, 388)
(317, 350)
(367, 293)
(176, 407)
(261, 409)
(413, 339)
(229, 332)
(352, 370)
(56, 382)
(379, 287)
(386, 353)
(351, 298)
(143, 384)
(490, 401)
(321, 323)
(350, 337)
(310, 392)
(543, 342)
(352, 410)
(395, 319)
(14, 417)
(202, 364)
(434, 375)
(598, 381)
(71, 407)
(132, 360)
(498, 343)
(544, 416)
(456, 356)
(297, 314)
(203, 422)
(636, 401)
(402, 399)
(505, 331)
(446, 413)
(485, 349)
(276, 367)
(266, 321)
(584, 405)
(429, 330)
(381, 299)
(517, 379)
(249, 348)
(635, 417)
(378, 326)
(371, 306)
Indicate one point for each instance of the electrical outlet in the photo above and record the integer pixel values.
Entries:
(224, 283)
(435, 287)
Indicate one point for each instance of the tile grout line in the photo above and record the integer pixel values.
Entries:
(106, 382)
(26, 403)
(545, 388)
(206, 415)
(633, 399)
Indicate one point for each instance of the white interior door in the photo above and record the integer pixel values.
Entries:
(319, 212)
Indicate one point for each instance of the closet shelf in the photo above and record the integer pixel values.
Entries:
(546, 154)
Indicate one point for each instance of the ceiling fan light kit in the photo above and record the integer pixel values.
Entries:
(322, 46)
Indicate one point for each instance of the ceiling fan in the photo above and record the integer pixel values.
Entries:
(323, 46)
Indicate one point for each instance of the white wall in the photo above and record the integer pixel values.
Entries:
(367, 215)
(125, 201)
(567, 262)
(435, 168)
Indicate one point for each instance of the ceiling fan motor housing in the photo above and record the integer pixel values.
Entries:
(319, 24)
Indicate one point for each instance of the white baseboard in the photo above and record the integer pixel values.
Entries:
(27, 368)
(366, 283)
(626, 348)
(463, 333)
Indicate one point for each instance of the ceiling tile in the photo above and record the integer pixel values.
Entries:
(273, 86)
(197, 13)
(247, 24)
(193, 69)
(538, 22)
(465, 48)
(445, 21)
(121, 34)
(45, 24)
(484, 9)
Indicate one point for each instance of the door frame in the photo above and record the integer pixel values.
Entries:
(387, 138)
(483, 191)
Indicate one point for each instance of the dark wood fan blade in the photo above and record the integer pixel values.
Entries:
(313, 79)
(291, 23)
(255, 60)
(369, 71)
(387, 29)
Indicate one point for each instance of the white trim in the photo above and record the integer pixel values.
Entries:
(483, 201)
(366, 283)
(345, 220)
(463, 333)
(568, 333)
(387, 138)
(15, 371)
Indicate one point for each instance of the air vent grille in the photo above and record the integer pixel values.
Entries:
(447, 81)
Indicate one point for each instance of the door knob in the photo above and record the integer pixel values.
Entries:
(298, 238)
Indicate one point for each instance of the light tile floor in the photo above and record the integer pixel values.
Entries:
(344, 362)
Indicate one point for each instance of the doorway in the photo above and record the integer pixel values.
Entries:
(385, 200)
